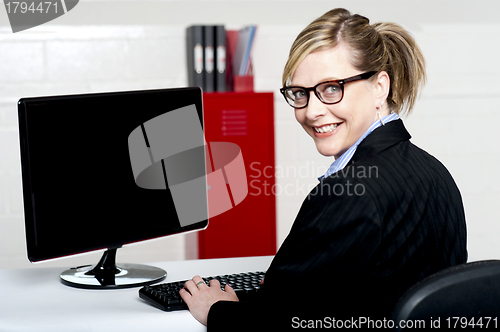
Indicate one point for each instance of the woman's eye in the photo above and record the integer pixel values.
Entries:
(331, 89)
(298, 94)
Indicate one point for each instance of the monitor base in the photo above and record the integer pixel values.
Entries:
(107, 275)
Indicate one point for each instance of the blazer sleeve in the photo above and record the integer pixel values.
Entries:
(239, 316)
(323, 267)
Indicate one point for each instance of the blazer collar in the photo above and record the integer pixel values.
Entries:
(381, 139)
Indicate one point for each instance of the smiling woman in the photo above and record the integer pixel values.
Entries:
(336, 127)
(358, 242)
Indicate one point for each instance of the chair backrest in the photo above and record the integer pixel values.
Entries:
(455, 297)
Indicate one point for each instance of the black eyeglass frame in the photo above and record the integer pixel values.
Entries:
(341, 83)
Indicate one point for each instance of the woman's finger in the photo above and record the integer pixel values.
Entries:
(199, 282)
(214, 283)
(185, 295)
(191, 286)
(229, 289)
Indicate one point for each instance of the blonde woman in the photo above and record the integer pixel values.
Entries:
(384, 216)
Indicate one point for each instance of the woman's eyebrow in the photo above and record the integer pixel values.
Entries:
(320, 81)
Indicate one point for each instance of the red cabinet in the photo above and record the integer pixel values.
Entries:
(249, 228)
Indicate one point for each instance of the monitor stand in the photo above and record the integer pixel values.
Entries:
(107, 275)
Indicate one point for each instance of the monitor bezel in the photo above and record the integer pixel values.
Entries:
(34, 253)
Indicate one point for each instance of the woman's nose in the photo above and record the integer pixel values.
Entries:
(315, 107)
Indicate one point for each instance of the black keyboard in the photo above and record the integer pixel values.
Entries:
(166, 296)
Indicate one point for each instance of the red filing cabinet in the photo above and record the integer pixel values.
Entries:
(249, 228)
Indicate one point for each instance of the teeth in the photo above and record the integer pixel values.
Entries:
(326, 129)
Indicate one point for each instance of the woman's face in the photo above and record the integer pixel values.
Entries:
(335, 128)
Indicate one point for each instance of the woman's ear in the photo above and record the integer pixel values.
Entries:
(382, 86)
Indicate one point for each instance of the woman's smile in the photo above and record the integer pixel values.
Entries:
(327, 130)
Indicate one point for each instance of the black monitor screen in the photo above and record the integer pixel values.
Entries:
(81, 183)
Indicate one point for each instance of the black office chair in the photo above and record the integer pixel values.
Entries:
(455, 298)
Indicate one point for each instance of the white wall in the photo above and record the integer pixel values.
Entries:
(125, 45)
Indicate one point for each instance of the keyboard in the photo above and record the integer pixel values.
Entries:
(166, 296)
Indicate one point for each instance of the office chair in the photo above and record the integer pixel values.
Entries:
(454, 298)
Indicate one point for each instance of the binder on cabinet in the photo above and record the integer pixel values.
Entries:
(220, 59)
(208, 55)
(195, 55)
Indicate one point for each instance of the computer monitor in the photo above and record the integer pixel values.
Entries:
(104, 170)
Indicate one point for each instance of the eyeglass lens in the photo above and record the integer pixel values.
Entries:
(328, 92)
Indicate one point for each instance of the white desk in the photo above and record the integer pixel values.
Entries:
(35, 300)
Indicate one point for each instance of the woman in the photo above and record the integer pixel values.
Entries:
(384, 216)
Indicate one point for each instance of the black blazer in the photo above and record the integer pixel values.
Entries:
(362, 237)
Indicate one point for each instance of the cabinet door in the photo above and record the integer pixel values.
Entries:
(249, 228)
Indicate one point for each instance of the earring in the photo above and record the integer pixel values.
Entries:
(379, 116)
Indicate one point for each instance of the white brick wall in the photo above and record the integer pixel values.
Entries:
(111, 46)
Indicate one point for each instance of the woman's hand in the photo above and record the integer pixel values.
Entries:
(200, 298)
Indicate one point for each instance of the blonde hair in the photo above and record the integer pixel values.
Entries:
(378, 47)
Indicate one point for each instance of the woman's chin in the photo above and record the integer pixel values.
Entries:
(327, 152)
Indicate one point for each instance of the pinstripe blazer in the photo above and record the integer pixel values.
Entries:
(364, 235)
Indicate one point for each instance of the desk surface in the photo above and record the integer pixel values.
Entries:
(35, 300)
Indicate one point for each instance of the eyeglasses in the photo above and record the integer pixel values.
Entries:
(329, 92)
